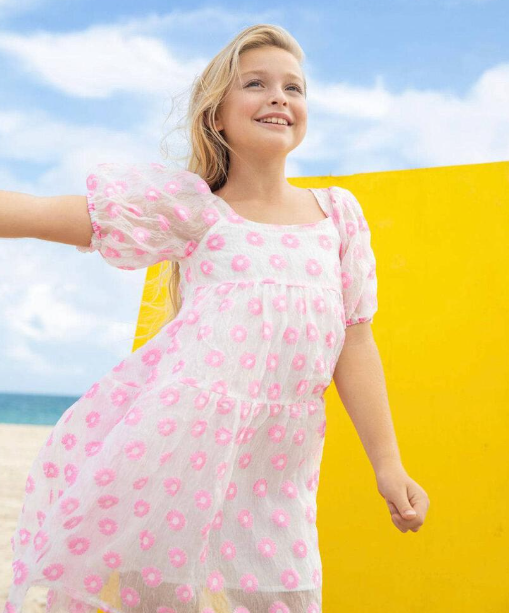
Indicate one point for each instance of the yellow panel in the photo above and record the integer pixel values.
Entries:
(440, 237)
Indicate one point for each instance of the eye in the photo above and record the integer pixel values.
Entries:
(292, 85)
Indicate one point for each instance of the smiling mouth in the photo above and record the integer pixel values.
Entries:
(271, 123)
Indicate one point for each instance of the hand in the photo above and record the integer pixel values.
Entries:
(402, 494)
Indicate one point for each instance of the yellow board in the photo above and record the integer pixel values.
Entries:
(440, 236)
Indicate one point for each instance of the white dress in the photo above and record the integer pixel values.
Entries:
(185, 479)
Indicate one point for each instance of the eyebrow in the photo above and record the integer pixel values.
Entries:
(265, 72)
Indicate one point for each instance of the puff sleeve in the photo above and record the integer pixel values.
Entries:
(357, 259)
(142, 214)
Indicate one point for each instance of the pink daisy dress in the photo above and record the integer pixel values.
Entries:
(185, 480)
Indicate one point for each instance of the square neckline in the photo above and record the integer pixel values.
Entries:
(316, 191)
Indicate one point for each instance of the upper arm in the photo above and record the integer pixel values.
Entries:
(358, 333)
(62, 219)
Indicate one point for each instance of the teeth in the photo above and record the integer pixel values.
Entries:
(274, 120)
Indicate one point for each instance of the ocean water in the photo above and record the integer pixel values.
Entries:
(37, 409)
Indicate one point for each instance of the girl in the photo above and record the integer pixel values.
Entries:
(185, 479)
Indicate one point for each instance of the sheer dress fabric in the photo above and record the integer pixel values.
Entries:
(185, 479)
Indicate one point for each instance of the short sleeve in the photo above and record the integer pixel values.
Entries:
(142, 214)
(357, 259)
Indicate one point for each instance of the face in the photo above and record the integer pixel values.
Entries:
(271, 81)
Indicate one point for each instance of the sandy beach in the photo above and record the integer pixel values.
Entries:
(19, 445)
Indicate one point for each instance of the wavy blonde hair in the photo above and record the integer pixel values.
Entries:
(209, 152)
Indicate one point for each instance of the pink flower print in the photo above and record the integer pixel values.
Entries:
(228, 550)
(254, 306)
(325, 241)
(198, 460)
(140, 483)
(104, 476)
(245, 518)
(291, 335)
(172, 187)
(231, 491)
(238, 333)
(151, 357)
(215, 242)
(223, 436)
(29, 484)
(51, 470)
(70, 524)
(278, 261)
(20, 572)
(165, 457)
(317, 577)
(112, 559)
(169, 395)
(203, 499)
(217, 522)
(215, 581)
(135, 450)
(92, 391)
(53, 572)
(152, 576)
(279, 303)
(299, 361)
(118, 397)
(290, 578)
(221, 469)
(152, 194)
(198, 428)
(40, 539)
(311, 514)
(248, 360)
(107, 501)
(272, 361)
(279, 461)
(245, 460)
(166, 426)
(184, 593)
(320, 364)
(225, 405)
(172, 485)
(313, 267)
(129, 597)
(93, 448)
(267, 547)
(69, 441)
(107, 526)
(92, 182)
(313, 608)
(281, 518)
(225, 305)
(71, 473)
(164, 222)
(300, 548)
(255, 239)
(69, 505)
(133, 416)
(267, 329)
(245, 434)
(260, 488)
(93, 584)
(203, 332)
(346, 279)
(215, 358)
(319, 304)
(275, 408)
(277, 433)
(147, 539)
(41, 516)
(289, 489)
(210, 216)
(78, 545)
(278, 607)
(290, 240)
(177, 557)
(24, 536)
(93, 418)
(274, 391)
(300, 305)
(240, 262)
(111, 253)
(141, 508)
(249, 583)
(176, 520)
(301, 387)
(311, 332)
(207, 267)
(330, 339)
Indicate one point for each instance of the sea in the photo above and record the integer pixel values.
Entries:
(36, 409)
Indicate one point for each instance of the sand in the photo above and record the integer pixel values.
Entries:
(19, 445)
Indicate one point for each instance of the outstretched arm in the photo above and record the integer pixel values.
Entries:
(62, 219)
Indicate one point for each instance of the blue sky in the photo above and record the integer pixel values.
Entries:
(394, 85)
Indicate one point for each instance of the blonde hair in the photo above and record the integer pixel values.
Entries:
(209, 155)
